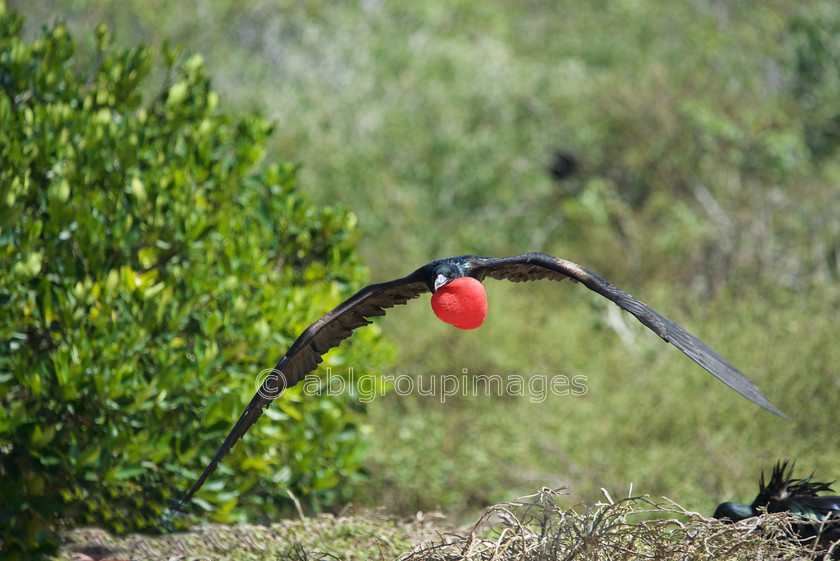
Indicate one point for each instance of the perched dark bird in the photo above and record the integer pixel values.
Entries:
(462, 276)
(563, 164)
(819, 514)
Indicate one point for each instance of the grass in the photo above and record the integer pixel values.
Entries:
(532, 527)
(363, 535)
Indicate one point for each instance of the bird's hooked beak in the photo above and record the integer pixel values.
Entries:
(440, 280)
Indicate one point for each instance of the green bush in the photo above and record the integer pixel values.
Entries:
(150, 266)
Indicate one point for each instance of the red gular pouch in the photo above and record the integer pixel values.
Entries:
(462, 303)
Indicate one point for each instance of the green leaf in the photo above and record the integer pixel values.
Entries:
(128, 471)
(87, 456)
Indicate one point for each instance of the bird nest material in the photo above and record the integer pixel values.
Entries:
(536, 528)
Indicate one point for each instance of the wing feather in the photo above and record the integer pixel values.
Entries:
(533, 266)
(306, 352)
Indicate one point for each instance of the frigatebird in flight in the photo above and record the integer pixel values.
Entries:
(459, 298)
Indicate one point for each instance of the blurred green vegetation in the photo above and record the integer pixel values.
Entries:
(706, 137)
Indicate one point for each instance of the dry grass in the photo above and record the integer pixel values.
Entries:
(529, 528)
(363, 535)
(535, 528)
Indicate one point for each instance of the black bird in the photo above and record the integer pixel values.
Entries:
(819, 514)
(305, 353)
(563, 165)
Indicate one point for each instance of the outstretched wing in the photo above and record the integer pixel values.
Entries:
(533, 266)
(304, 355)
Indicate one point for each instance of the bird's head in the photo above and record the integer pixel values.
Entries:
(734, 512)
(444, 274)
(457, 298)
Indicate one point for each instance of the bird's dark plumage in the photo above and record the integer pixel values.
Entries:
(563, 164)
(819, 514)
(305, 353)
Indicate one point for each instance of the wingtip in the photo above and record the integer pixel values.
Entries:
(770, 407)
(181, 506)
(758, 397)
